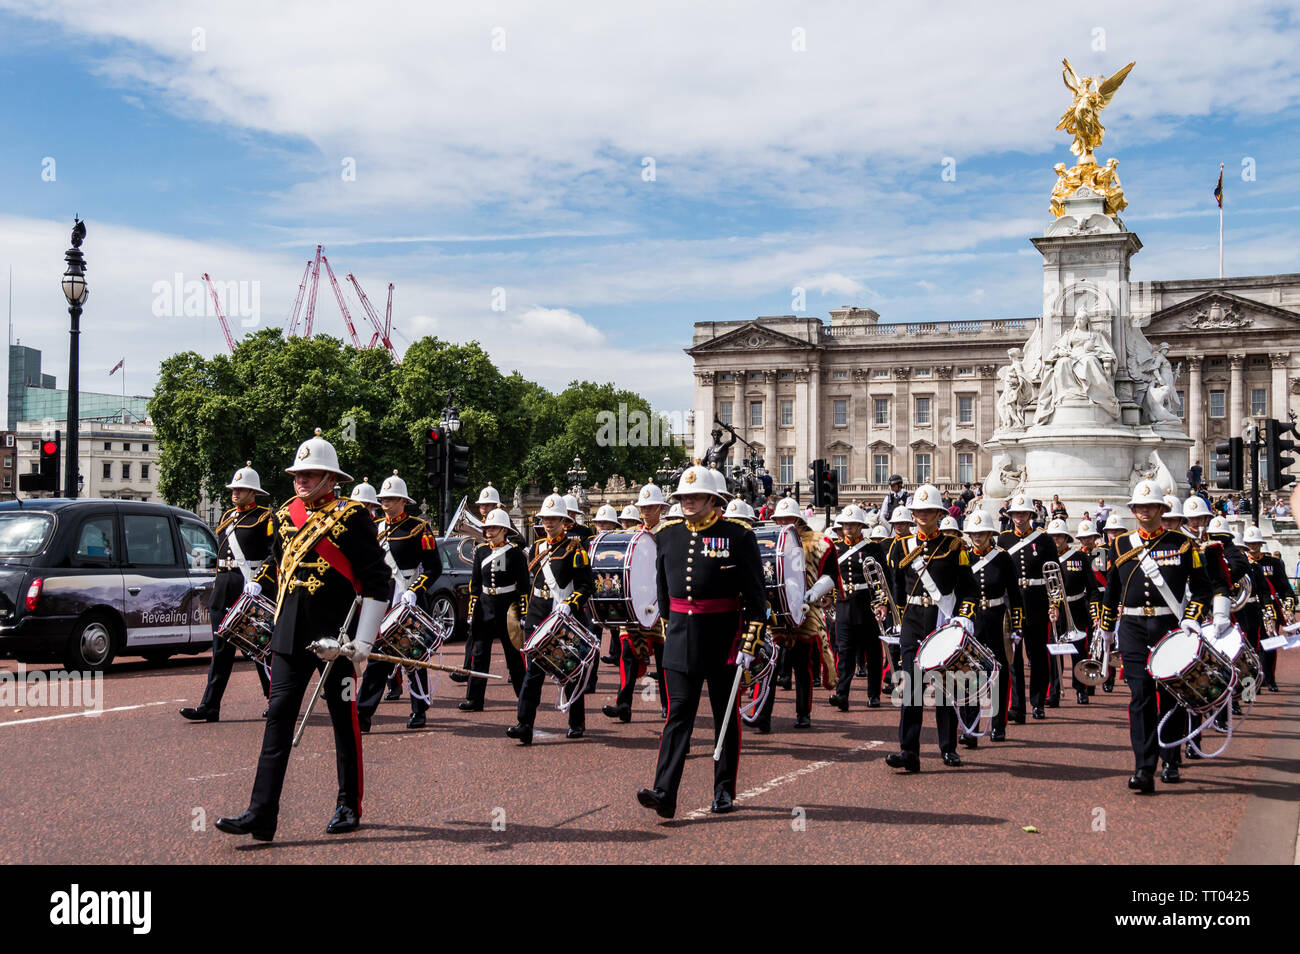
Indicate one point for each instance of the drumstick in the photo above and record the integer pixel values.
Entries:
(421, 664)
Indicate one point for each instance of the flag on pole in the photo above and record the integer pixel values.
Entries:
(113, 370)
(1218, 189)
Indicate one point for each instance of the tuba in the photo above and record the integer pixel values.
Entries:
(465, 524)
(1241, 592)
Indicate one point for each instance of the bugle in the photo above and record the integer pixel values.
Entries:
(882, 597)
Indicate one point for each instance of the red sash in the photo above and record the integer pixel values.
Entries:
(729, 604)
(325, 549)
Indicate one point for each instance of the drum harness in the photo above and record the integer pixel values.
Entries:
(245, 566)
(558, 595)
(401, 583)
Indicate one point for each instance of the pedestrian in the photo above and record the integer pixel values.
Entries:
(1194, 476)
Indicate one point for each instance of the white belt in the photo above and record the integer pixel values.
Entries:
(920, 601)
(1025, 582)
(990, 604)
(230, 564)
(542, 594)
(1148, 611)
(1076, 596)
(499, 590)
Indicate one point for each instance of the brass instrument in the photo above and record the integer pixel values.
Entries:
(1270, 620)
(1056, 598)
(882, 597)
(465, 524)
(1241, 592)
(1095, 668)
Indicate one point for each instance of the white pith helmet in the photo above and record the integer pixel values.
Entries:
(651, 496)
(949, 523)
(1196, 506)
(698, 480)
(1147, 492)
(1115, 522)
(498, 518)
(1059, 526)
(788, 507)
(571, 504)
(927, 497)
(878, 532)
(852, 514)
(1174, 505)
(488, 495)
(901, 515)
(675, 510)
(246, 479)
(553, 506)
(1219, 526)
(316, 453)
(1021, 503)
(630, 512)
(394, 486)
(365, 492)
(740, 510)
(980, 521)
(1087, 529)
(606, 514)
(1254, 535)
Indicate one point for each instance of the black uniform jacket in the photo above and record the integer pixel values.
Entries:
(1179, 563)
(313, 596)
(251, 529)
(568, 561)
(1082, 591)
(947, 561)
(716, 559)
(413, 547)
(854, 606)
(1029, 560)
(998, 578)
(497, 568)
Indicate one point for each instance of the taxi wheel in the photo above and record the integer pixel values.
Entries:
(91, 646)
(444, 611)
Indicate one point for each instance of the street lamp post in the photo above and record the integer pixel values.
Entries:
(450, 424)
(577, 475)
(74, 289)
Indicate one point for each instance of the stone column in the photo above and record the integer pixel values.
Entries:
(771, 420)
(814, 412)
(944, 437)
(704, 409)
(1235, 413)
(1195, 414)
(1278, 404)
(902, 425)
(802, 415)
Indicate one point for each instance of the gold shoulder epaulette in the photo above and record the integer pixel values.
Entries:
(669, 523)
(1125, 557)
(1185, 547)
(738, 522)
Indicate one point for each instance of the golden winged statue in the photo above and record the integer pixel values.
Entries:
(1083, 119)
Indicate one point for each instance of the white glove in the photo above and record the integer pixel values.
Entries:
(819, 589)
(564, 609)
(327, 648)
(1111, 639)
(253, 588)
(1015, 637)
(409, 598)
(744, 659)
(354, 651)
(1220, 606)
(368, 620)
(1190, 626)
(967, 625)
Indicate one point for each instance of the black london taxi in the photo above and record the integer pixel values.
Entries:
(83, 581)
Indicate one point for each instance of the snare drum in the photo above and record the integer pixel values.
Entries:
(783, 574)
(248, 625)
(623, 567)
(409, 632)
(756, 679)
(562, 647)
(1232, 644)
(951, 649)
(1191, 670)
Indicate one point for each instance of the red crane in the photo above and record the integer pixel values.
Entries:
(216, 303)
(311, 299)
(297, 302)
(343, 306)
(381, 331)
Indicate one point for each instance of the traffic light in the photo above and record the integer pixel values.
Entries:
(1227, 464)
(815, 470)
(457, 465)
(1275, 445)
(46, 476)
(435, 443)
(831, 487)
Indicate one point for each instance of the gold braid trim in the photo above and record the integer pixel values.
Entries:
(318, 524)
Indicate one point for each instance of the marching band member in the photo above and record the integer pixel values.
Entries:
(1030, 551)
(489, 499)
(932, 584)
(1098, 558)
(1231, 564)
(498, 581)
(857, 633)
(1082, 596)
(1114, 529)
(574, 515)
(675, 512)
(561, 582)
(411, 554)
(630, 517)
(998, 598)
(1282, 596)
(245, 535)
(606, 519)
(1144, 589)
(803, 645)
(325, 562)
(365, 493)
(710, 580)
(900, 521)
(737, 509)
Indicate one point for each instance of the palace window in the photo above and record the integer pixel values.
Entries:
(785, 376)
(126, 471)
(923, 410)
(126, 447)
(1258, 361)
(726, 378)
(966, 468)
(881, 407)
(724, 412)
(839, 375)
(108, 470)
(922, 372)
(755, 413)
(880, 373)
(965, 410)
(1216, 404)
(786, 473)
(841, 409)
(922, 468)
(144, 471)
(787, 413)
(967, 372)
(879, 468)
(1182, 403)
(1258, 402)
(108, 445)
(840, 464)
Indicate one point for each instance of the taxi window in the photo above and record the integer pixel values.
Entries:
(148, 540)
(95, 540)
(200, 545)
(23, 534)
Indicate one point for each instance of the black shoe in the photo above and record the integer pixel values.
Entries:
(862, 672)
(970, 741)
(723, 804)
(839, 702)
(1142, 782)
(1108, 686)
(363, 723)
(1236, 707)
(1170, 775)
(1082, 697)
(1016, 716)
(575, 733)
(621, 713)
(416, 721)
(1271, 686)
(467, 706)
(393, 693)
(458, 677)
(784, 684)
(246, 824)
(201, 714)
(764, 726)
(873, 702)
(663, 713)
(524, 733)
(1054, 702)
(952, 759)
(1221, 722)
(657, 799)
(904, 760)
(345, 819)
(802, 722)
(608, 660)
(1192, 754)
(997, 735)
(1039, 713)
(266, 713)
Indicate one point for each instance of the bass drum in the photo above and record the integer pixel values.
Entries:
(623, 567)
(783, 574)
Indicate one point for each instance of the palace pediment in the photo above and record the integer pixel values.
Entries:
(748, 337)
(1220, 312)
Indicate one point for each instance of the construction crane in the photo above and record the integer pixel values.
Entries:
(216, 303)
(343, 306)
(297, 302)
(383, 331)
(311, 298)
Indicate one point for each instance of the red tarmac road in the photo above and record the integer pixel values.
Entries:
(137, 784)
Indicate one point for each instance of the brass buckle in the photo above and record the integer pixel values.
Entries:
(1024, 582)
(926, 601)
(984, 602)
(1149, 611)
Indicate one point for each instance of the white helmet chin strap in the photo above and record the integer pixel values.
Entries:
(311, 495)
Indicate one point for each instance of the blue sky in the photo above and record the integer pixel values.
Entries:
(794, 145)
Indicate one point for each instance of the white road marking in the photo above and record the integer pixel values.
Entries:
(790, 777)
(89, 713)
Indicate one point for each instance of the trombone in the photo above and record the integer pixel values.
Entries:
(1058, 600)
(882, 596)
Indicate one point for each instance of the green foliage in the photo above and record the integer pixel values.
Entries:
(259, 404)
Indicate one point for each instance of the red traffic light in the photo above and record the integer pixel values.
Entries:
(435, 434)
(49, 447)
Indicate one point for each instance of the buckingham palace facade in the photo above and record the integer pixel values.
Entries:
(875, 398)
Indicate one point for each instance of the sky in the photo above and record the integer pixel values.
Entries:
(574, 185)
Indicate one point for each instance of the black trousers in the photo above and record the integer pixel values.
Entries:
(1033, 642)
(1147, 704)
(988, 630)
(854, 641)
(223, 661)
(290, 675)
(530, 695)
(375, 681)
(684, 691)
(801, 656)
(912, 714)
(629, 669)
(1267, 657)
(485, 633)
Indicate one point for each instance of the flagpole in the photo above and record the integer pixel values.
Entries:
(1220, 222)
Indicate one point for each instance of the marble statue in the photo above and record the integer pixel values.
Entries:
(1017, 391)
(1003, 479)
(1160, 403)
(1080, 365)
